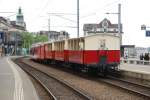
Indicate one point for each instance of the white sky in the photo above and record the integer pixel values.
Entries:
(134, 14)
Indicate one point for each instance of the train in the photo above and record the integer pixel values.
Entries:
(98, 53)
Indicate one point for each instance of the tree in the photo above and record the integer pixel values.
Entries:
(40, 38)
(27, 39)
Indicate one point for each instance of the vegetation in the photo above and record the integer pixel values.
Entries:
(40, 38)
(28, 39)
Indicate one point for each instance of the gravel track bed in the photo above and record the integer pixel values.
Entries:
(138, 81)
(40, 90)
(59, 90)
(100, 91)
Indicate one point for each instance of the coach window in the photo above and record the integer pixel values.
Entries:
(49, 47)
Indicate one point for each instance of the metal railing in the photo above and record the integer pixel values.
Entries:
(135, 61)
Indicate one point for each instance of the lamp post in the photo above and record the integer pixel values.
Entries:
(119, 22)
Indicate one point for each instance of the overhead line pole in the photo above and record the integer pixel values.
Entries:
(49, 28)
(119, 23)
(78, 18)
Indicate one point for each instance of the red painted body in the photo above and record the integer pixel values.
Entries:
(80, 57)
(38, 52)
(75, 56)
(48, 53)
(94, 56)
(42, 52)
(59, 55)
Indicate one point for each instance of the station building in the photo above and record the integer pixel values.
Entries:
(105, 26)
(10, 38)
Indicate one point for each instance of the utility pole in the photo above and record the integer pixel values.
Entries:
(119, 24)
(49, 28)
(49, 24)
(78, 18)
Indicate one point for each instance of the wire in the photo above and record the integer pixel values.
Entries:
(7, 12)
(42, 8)
(11, 15)
(94, 13)
(62, 14)
(62, 26)
(66, 18)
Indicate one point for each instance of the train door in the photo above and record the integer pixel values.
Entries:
(102, 52)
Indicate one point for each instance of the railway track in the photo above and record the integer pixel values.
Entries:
(56, 88)
(127, 85)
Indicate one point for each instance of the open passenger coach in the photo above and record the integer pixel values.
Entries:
(99, 52)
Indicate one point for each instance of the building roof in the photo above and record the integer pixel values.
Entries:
(13, 23)
(90, 27)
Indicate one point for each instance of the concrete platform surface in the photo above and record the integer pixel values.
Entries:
(136, 71)
(14, 83)
(136, 68)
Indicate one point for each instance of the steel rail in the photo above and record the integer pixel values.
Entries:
(77, 91)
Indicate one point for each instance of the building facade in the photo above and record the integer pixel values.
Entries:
(10, 38)
(54, 35)
(128, 51)
(141, 51)
(20, 18)
(105, 26)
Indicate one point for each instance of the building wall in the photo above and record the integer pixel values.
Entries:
(140, 51)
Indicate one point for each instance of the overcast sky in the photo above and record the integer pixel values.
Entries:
(134, 14)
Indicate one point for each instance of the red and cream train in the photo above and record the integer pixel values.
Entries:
(98, 52)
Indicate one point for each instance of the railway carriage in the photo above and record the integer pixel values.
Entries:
(59, 53)
(35, 52)
(49, 52)
(100, 52)
(42, 52)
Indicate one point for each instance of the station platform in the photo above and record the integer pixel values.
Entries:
(14, 83)
(136, 70)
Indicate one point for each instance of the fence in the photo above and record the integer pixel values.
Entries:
(134, 61)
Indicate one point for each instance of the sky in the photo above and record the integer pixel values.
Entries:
(134, 13)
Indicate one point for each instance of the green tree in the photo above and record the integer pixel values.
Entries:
(27, 39)
(40, 38)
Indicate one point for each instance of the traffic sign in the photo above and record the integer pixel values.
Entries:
(147, 33)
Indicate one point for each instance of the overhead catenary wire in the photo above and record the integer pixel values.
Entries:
(96, 11)
(65, 18)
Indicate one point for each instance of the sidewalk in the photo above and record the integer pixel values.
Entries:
(14, 83)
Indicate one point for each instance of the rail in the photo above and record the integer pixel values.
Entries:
(67, 91)
(127, 85)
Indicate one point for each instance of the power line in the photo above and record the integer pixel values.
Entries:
(99, 9)
(11, 15)
(61, 14)
(63, 26)
(7, 12)
(65, 18)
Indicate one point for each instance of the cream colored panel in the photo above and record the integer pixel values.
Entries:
(66, 45)
(102, 42)
(53, 47)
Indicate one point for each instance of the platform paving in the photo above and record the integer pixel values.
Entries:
(145, 69)
(14, 83)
